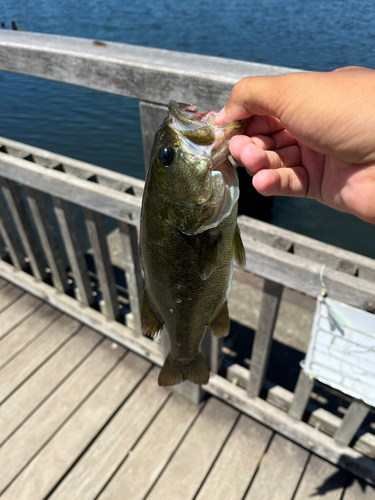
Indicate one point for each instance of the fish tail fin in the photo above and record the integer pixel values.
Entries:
(174, 372)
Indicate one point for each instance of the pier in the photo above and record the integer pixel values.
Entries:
(81, 413)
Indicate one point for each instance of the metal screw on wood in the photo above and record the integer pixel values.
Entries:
(370, 307)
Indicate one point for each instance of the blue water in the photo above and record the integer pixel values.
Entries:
(103, 129)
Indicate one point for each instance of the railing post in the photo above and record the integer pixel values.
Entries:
(133, 271)
(352, 421)
(302, 393)
(152, 116)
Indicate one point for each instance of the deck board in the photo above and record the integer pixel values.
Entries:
(49, 467)
(45, 380)
(23, 365)
(82, 418)
(140, 470)
(321, 479)
(279, 471)
(239, 459)
(26, 331)
(194, 458)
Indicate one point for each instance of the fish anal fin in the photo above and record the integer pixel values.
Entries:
(174, 372)
(208, 254)
(151, 324)
(238, 249)
(220, 325)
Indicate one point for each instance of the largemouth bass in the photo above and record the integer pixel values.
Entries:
(189, 237)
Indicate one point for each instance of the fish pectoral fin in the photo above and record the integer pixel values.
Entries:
(220, 325)
(238, 249)
(174, 372)
(208, 252)
(151, 324)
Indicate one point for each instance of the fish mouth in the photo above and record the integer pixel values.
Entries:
(198, 133)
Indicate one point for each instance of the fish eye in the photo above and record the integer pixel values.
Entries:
(166, 155)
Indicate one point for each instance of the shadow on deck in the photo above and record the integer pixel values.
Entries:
(82, 417)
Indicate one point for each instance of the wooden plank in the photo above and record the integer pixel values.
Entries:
(68, 444)
(44, 381)
(298, 431)
(3, 283)
(73, 249)
(365, 444)
(23, 365)
(192, 461)
(321, 479)
(236, 465)
(152, 116)
(325, 421)
(94, 319)
(352, 421)
(10, 236)
(102, 459)
(302, 393)
(9, 295)
(263, 337)
(129, 70)
(102, 199)
(308, 248)
(22, 446)
(104, 269)
(140, 470)
(46, 232)
(133, 271)
(39, 318)
(358, 490)
(279, 472)
(17, 312)
(73, 166)
(24, 228)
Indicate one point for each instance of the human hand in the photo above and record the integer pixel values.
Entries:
(313, 135)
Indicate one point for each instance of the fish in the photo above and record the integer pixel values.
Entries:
(189, 237)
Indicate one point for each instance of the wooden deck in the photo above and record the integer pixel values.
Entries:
(82, 418)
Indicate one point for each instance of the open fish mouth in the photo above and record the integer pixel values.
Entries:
(198, 133)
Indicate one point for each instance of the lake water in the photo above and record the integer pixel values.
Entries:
(103, 129)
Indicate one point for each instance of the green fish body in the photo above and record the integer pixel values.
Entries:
(189, 237)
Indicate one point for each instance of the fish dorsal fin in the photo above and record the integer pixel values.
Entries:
(239, 254)
(207, 254)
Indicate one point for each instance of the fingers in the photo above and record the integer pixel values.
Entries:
(254, 154)
(282, 182)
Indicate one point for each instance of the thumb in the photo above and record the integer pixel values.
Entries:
(254, 95)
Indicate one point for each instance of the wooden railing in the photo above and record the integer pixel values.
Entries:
(57, 237)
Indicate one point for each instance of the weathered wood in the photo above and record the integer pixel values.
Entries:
(10, 236)
(301, 395)
(237, 463)
(103, 458)
(365, 444)
(104, 269)
(194, 458)
(24, 228)
(127, 70)
(321, 479)
(47, 238)
(77, 168)
(88, 316)
(297, 431)
(100, 198)
(63, 450)
(140, 470)
(133, 271)
(44, 381)
(306, 250)
(8, 295)
(325, 421)
(280, 471)
(23, 365)
(352, 421)
(25, 443)
(152, 116)
(263, 338)
(13, 316)
(356, 490)
(73, 249)
(33, 319)
(216, 354)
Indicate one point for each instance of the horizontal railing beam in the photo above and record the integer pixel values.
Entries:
(143, 73)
